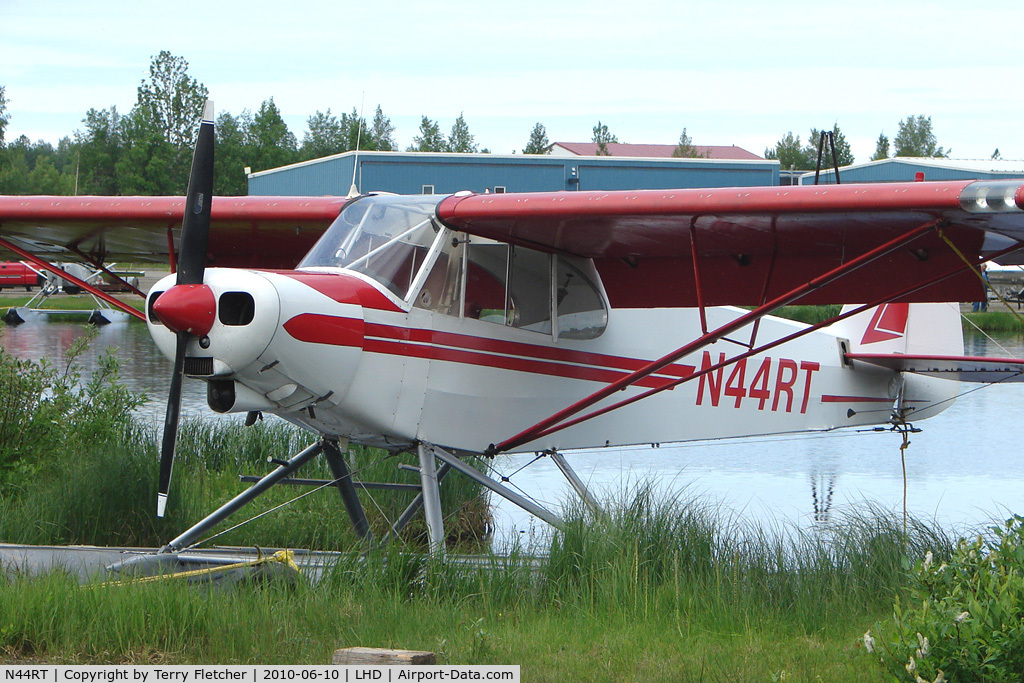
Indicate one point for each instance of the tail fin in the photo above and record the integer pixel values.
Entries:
(909, 329)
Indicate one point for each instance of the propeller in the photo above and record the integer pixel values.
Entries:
(189, 307)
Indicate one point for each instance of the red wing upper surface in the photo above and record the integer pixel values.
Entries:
(753, 244)
(264, 232)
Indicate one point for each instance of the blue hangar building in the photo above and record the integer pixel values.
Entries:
(909, 169)
(446, 173)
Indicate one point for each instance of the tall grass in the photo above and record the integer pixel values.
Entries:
(672, 554)
(105, 493)
(656, 588)
(996, 321)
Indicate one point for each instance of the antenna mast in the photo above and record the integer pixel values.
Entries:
(353, 191)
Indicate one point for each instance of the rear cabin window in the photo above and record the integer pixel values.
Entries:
(515, 287)
(581, 310)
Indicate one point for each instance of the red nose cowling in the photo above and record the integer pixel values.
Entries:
(187, 308)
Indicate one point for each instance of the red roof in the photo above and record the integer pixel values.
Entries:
(622, 149)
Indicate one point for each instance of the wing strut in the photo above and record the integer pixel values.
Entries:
(761, 349)
(558, 421)
(38, 262)
(695, 257)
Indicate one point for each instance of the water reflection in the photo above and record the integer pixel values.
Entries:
(143, 368)
(962, 469)
(822, 487)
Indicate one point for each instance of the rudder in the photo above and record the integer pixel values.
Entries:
(901, 328)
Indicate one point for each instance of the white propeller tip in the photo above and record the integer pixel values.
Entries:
(161, 504)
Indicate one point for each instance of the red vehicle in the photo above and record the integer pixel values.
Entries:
(15, 274)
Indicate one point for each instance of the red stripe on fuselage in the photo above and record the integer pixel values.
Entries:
(431, 351)
(854, 399)
(326, 329)
(511, 348)
(348, 289)
(344, 288)
(481, 351)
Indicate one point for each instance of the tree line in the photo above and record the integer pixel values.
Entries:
(914, 138)
(147, 151)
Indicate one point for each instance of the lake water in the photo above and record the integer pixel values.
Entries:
(963, 469)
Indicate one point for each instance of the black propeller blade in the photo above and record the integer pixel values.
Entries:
(195, 234)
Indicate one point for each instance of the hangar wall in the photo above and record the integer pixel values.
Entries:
(905, 170)
(444, 173)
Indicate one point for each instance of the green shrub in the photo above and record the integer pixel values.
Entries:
(46, 410)
(77, 467)
(963, 618)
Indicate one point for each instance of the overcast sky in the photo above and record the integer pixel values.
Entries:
(740, 73)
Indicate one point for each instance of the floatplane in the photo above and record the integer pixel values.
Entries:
(486, 324)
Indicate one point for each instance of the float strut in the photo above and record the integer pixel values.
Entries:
(431, 493)
(224, 511)
(347, 489)
(415, 506)
(570, 475)
(506, 493)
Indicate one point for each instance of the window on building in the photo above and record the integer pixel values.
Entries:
(428, 189)
(499, 189)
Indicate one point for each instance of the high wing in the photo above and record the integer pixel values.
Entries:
(260, 232)
(653, 248)
(744, 246)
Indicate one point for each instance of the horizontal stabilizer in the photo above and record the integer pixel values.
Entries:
(961, 368)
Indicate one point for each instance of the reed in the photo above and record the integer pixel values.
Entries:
(656, 587)
(104, 493)
(995, 321)
(809, 314)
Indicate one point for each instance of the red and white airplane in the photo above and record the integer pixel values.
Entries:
(487, 324)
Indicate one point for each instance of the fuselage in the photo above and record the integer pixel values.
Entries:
(395, 329)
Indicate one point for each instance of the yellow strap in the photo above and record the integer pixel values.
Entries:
(286, 557)
(988, 285)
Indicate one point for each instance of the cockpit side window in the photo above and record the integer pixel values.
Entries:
(442, 290)
(486, 296)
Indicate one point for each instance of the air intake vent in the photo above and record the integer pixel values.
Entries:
(199, 367)
(149, 308)
(236, 308)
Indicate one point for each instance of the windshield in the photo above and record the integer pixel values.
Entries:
(385, 237)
